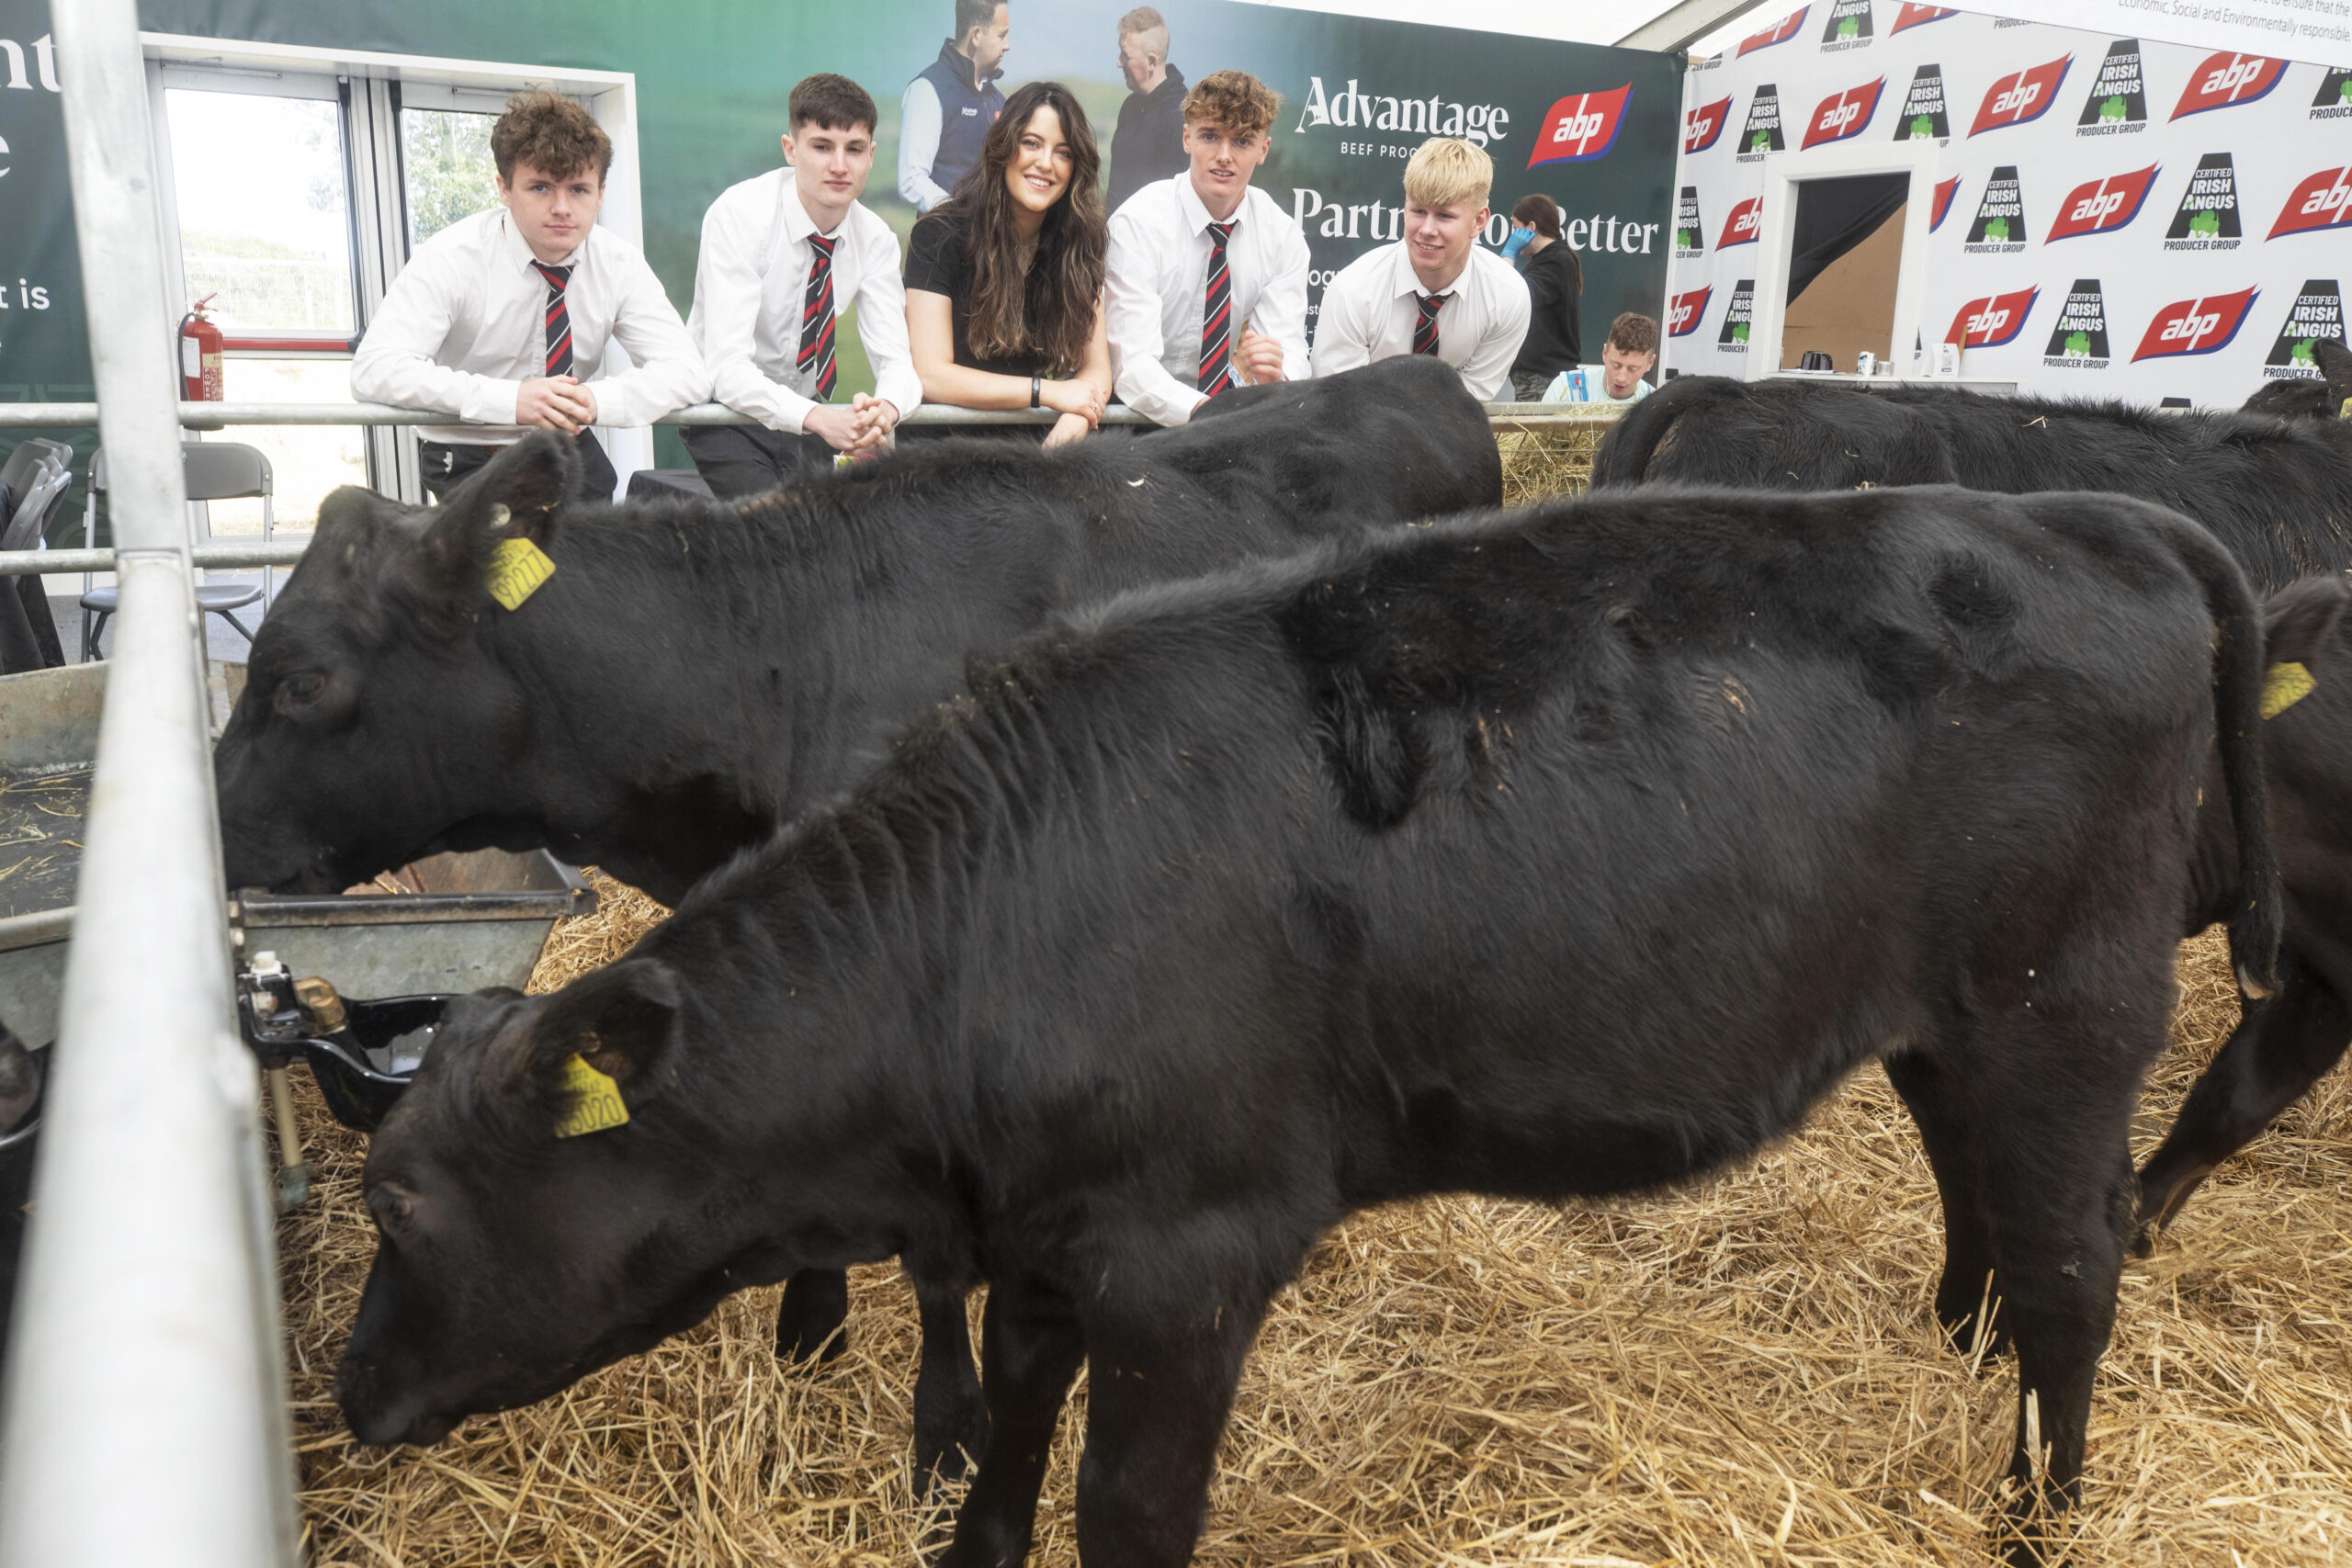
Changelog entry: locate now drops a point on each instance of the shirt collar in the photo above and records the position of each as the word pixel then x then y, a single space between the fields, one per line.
pixel 797 224
pixel 1404 281
pixel 518 250
pixel 1197 212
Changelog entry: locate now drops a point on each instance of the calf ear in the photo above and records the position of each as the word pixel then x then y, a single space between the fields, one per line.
pixel 2335 363
pixel 623 1020
pixel 514 496
pixel 2298 620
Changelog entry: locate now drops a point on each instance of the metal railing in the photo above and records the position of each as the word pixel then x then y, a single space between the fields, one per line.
pixel 145 1419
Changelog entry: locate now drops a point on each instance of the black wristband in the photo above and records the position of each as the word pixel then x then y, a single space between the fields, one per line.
pixel 1036 392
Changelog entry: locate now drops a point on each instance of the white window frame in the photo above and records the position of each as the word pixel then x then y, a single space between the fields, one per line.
pixel 1784 173
pixel 377 206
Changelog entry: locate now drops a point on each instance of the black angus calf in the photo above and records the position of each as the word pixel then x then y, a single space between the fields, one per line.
pixel 695 672
pixel 1572 852
pixel 2278 495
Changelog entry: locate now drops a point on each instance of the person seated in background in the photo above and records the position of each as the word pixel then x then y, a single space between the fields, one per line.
pixel 1555 279
pixel 784 255
pixel 1149 143
pixel 501 319
pixel 1004 282
pixel 1435 291
pixel 1207 274
pixel 1627 358
pixel 949 107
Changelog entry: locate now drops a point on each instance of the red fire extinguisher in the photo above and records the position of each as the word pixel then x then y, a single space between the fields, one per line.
pixel 201 343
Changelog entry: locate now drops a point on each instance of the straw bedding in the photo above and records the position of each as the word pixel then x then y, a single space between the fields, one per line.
pixel 1746 1373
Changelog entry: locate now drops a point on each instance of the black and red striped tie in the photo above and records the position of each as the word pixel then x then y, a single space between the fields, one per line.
pixel 559 318
pixel 1217 317
pixel 1425 330
pixel 817 318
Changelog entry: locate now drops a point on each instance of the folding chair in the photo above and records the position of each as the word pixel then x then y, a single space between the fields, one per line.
pixel 217 470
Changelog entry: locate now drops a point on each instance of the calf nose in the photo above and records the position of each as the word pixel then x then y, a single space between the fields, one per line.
pixel 380 1418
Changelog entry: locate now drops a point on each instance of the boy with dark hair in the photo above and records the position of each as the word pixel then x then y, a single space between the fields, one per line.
pixel 1150 143
pixel 952 102
pixel 501 319
pixel 1207 276
pixel 1625 360
pixel 784 255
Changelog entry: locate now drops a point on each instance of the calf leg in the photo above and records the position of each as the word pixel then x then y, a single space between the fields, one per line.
pixel 951 1419
pixel 1030 1349
pixel 808 1322
pixel 2280 1049
pixel 1969 1286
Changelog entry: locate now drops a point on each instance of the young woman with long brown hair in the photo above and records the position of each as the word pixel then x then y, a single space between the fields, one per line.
pixel 1004 279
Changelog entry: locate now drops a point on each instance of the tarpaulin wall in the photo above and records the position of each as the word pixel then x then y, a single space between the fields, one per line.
pixel 2112 218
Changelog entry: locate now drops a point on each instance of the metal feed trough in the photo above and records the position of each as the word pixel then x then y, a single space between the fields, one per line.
pixel 477 920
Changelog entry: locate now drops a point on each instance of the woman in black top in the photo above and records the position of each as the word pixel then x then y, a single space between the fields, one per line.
pixel 1555 282
pixel 1004 279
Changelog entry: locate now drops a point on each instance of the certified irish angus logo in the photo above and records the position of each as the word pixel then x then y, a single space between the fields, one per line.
pixel 2333 100
pixel 1999 227
pixel 1913 15
pixel 2118 102
pixel 2097 207
pixel 1690 239
pixel 1763 132
pixel 1923 115
pixel 1733 339
pixel 2079 340
pixel 2202 325
pixel 2208 218
pixel 2225 80
pixel 1781 33
pixel 2021 98
pixel 1848 25
pixel 2319 201
pixel 1685 312
pixel 1993 320
pixel 2318 312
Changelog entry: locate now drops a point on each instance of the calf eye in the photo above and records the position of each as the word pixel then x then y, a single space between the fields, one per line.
pixel 392 1205
pixel 300 690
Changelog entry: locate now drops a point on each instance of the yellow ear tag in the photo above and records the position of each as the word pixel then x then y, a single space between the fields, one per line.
pixel 593 1101
pixel 517 566
pixel 2284 686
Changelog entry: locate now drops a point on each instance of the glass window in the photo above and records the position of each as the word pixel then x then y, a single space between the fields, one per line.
pixel 446 170
pixel 264 220
pixel 306 461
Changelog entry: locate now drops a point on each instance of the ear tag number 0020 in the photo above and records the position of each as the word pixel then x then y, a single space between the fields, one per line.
pixel 2283 686
pixel 517 568
pixel 591 1100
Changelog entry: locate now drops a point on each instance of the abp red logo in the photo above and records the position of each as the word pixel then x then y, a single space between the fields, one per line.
pixel 1739 228
pixel 2322 202
pixel 1580 127
pixel 1771 36
pixel 2026 95
pixel 2102 205
pixel 1945 191
pixel 1913 15
pixel 1702 125
pixel 1685 312
pixel 2225 79
pixel 2196 326
pixel 1992 322
pixel 1841 115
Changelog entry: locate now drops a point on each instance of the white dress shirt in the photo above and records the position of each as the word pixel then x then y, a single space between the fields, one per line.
pixel 1371 309
pixel 919 123
pixel 749 288
pixel 464 325
pixel 1158 272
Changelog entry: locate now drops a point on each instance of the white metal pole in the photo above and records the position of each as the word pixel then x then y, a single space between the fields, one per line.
pixel 145 1419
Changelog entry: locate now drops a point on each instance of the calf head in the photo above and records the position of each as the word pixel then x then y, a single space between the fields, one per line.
pixel 2303 399
pixel 376 714
pixel 524 1239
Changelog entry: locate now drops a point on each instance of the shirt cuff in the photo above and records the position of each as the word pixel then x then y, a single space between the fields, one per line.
pixel 489 401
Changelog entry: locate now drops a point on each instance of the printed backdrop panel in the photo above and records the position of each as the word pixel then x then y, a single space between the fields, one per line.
pixel 2112 217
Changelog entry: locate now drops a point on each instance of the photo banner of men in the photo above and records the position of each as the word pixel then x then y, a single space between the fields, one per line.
pixel 1595 129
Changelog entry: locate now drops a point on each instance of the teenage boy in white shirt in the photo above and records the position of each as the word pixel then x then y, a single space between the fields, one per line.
pixel 501 319
pixel 1435 291
pixel 1627 358
pixel 1207 276
pixel 784 254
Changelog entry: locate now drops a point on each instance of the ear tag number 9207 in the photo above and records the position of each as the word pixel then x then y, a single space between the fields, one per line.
pixel 591 1100
pixel 517 568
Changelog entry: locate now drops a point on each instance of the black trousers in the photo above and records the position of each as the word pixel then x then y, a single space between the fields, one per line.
pixel 750 460
pixel 448 464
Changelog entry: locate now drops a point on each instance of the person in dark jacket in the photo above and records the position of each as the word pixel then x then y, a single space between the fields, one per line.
pixel 1149 143
pixel 952 102
pixel 1555 282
